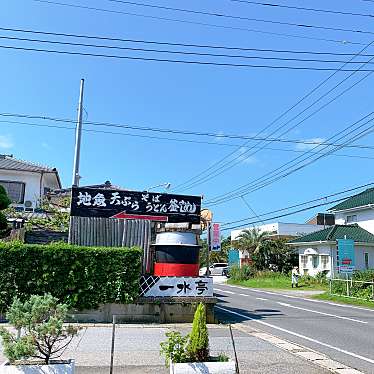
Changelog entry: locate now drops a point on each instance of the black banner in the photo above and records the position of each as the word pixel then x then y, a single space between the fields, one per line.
pixel 94 202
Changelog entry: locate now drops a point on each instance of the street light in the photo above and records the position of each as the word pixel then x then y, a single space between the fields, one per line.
pixel 165 185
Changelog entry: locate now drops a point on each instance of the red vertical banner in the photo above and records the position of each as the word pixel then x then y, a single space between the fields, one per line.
pixel 215 237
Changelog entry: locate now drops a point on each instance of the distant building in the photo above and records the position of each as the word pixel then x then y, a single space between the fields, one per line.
pixel 357 209
pixel 282 230
pixel 318 251
pixel 277 230
pixel 26 183
pixel 322 219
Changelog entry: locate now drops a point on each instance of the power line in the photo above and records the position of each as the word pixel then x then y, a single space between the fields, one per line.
pixel 188 62
pixel 284 215
pixel 304 8
pixel 301 204
pixel 239 158
pixel 210 46
pixel 328 153
pixel 194 22
pixel 245 189
pixel 252 186
pixel 43 41
pixel 180 132
pixel 226 166
pixel 241 18
pixel 169 139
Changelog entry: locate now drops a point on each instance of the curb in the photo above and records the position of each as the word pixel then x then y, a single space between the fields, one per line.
pixel 308 354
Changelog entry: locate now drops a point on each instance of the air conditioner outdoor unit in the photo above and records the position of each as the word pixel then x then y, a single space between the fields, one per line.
pixel 28 204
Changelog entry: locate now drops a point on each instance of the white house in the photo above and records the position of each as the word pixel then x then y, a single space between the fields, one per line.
pixel 25 182
pixel 277 230
pixel 319 251
pixel 357 209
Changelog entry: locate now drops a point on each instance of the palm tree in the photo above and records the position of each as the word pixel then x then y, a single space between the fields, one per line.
pixel 249 241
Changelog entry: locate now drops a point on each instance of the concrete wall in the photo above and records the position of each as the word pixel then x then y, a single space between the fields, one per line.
pixel 148 310
pixel 365 218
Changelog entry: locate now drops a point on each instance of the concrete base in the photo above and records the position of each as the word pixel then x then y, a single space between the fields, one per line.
pixel 148 310
pixel 203 368
pixel 53 368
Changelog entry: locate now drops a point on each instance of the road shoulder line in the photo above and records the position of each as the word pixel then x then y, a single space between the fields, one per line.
pixel 308 354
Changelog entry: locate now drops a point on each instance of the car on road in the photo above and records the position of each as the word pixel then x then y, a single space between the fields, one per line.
pixel 217 268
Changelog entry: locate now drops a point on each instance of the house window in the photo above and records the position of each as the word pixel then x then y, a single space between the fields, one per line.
pixel 324 261
pixel 351 219
pixel 303 261
pixel 315 261
pixel 15 191
pixel 366 259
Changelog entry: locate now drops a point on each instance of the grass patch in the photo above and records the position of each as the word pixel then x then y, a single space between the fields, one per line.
pixel 278 281
pixel 344 300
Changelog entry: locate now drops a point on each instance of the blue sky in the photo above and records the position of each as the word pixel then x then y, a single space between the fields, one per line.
pixel 197 98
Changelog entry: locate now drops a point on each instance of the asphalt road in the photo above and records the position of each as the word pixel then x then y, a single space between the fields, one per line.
pixel 344 333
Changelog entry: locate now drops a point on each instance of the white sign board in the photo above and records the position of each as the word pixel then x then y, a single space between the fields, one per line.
pixel 215 244
pixel 153 286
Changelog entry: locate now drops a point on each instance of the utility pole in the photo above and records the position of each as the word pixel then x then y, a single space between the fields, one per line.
pixel 78 136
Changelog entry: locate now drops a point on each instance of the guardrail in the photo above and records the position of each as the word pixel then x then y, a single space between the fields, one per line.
pixel 355 289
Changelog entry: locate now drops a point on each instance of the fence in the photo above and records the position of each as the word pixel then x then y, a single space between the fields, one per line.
pixel 110 232
pixel 363 290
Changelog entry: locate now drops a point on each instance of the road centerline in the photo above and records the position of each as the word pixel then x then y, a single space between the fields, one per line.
pixel 322 313
pixel 352 354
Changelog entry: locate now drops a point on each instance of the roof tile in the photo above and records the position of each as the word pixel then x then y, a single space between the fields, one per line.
pixel 10 163
pixel 363 198
pixel 355 232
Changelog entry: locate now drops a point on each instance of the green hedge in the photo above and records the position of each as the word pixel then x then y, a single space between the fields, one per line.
pixel 82 277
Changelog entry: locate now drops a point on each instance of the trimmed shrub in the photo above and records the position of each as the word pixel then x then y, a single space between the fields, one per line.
pixel 198 344
pixel 81 277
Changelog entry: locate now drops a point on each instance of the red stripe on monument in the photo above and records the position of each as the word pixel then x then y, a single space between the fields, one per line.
pixel 176 270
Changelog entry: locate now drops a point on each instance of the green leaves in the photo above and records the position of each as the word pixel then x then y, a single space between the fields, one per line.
pixel 174 348
pixel 198 344
pixel 81 277
pixel 40 324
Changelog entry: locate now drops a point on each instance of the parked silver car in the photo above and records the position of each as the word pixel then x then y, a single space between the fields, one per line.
pixel 217 268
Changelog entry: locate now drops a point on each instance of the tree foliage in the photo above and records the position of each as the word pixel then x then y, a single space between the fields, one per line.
pixel 198 344
pixel 221 256
pixel 275 254
pixel 4 204
pixel 41 333
pixel 249 241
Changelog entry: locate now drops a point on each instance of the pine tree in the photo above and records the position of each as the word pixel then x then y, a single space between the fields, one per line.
pixel 198 345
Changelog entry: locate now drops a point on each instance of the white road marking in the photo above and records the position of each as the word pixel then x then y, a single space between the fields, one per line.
pixel 306 299
pixel 317 312
pixel 232 293
pixel 242 294
pixel 261 298
pixel 299 335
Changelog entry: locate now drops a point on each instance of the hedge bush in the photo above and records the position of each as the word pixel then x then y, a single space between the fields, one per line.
pixel 82 277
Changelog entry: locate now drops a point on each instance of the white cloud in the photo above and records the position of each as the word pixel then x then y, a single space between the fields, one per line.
pixel 6 142
pixel 46 145
pixel 220 136
pixel 313 143
pixel 249 160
